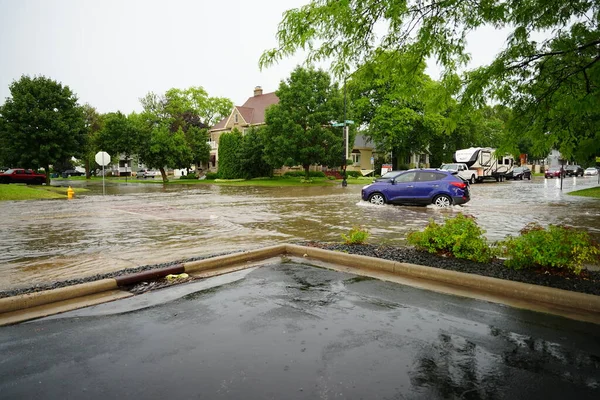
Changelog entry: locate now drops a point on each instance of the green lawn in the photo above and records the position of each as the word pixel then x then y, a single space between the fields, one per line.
pixel 24 192
pixel 591 192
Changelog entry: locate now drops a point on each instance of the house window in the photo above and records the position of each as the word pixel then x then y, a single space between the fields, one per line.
pixel 235 118
pixel 355 158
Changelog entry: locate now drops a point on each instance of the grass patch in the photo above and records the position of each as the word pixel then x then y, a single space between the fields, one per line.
pixel 24 192
pixel 591 192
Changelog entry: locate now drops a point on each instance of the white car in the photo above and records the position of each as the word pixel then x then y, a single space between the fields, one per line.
pixel 592 171
pixel 148 173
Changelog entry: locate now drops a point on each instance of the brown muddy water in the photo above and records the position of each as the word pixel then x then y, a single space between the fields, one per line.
pixel 138 224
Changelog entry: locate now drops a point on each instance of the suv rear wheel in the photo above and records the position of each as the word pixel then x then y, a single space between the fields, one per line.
pixel 442 201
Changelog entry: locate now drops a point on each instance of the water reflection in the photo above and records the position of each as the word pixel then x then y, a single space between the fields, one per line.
pixel 137 224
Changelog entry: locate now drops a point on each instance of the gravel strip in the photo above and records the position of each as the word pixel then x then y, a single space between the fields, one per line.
pixel 588 282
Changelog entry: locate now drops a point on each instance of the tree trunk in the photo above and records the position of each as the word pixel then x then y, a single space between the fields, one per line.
pixel 306 172
pixel 163 174
pixel 47 169
pixel 88 173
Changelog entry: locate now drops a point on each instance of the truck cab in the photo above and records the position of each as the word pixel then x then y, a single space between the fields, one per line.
pixel 461 170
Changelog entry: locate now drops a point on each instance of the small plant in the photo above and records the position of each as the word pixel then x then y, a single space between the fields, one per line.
pixel 357 235
pixel 212 175
pixel 331 177
pixel 460 237
pixel 353 174
pixel 555 247
pixel 188 176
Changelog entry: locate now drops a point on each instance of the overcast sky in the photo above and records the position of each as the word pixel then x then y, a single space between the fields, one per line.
pixel 112 52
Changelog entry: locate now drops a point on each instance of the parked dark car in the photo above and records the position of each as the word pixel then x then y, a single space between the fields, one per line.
pixel 554 172
pixel 418 187
pixel 71 172
pixel 519 173
pixel 574 170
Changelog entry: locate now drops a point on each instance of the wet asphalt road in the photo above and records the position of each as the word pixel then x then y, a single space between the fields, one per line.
pixel 139 224
pixel 296 332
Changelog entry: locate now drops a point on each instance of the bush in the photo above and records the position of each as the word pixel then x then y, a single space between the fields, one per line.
pixel 302 174
pixel 353 174
pixel 356 235
pixel 212 175
pixel 294 174
pixel 460 237
pixel 188 176
pixel 556 247
pixel 331 177
pixel 402 167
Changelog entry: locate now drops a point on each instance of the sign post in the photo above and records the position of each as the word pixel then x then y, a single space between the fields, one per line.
pixel 102 158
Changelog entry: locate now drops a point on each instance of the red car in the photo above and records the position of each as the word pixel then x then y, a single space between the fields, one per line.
pixel 554 172
pixel 20 175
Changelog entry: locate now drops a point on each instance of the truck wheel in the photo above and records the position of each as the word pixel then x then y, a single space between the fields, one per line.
pixel 472 180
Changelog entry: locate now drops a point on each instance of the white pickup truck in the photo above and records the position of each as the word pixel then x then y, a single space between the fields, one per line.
pixel 462 170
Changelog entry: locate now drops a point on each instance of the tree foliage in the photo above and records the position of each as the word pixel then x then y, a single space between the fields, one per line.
pixel 230 145
pixel 119 136
pixel 251 155
pixel 93 125
pixel 42 124
pixel 552 84
pixel 298 130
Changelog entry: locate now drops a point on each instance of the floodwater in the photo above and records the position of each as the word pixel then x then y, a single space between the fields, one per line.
pixel 138 224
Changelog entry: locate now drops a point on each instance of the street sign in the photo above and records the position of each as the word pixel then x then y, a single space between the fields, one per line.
pixel 372 161
pixel 337 124
pixel 349 121
pixel 102 158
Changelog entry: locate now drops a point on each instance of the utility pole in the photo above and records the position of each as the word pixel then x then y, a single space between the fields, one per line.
pixel 344 181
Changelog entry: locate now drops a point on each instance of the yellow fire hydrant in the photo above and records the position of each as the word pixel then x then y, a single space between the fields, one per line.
pixel 70 193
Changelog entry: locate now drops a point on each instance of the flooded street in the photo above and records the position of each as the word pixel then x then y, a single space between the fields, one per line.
pixel 138 224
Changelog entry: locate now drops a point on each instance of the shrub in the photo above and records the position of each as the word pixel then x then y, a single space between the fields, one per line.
pixel 460 237
pixel 212 175
pixel 188 176
pixel 356 235
pixel 294 174
pixel 301 174
pixel 402 167
pixel 556 247
pixel 353 174
pixel 331 177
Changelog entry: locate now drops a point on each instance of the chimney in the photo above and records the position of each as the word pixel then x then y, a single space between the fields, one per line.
pixel 257 91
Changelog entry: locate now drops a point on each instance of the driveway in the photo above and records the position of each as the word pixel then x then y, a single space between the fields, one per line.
pixel 288 331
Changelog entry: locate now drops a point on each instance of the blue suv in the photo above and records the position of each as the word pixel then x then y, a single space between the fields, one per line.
pixel 418 187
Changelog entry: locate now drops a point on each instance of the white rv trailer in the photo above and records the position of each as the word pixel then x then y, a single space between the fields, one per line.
pixel 484 161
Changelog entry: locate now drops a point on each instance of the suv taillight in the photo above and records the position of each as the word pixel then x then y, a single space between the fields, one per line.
pixel 461 185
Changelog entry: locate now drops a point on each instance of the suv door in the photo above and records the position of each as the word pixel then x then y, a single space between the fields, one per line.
pixel 427 185
pixel 402 188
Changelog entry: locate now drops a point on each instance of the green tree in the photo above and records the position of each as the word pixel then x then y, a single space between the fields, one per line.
pixel 230 146
pixel 163 148
pixel 298 130
pixel 93 125
pixel 119 136
pixel 41 124
pixel 399 109
pixel 552 85
pixel 250 156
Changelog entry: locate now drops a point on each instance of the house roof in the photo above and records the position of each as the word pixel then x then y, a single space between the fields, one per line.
pixel 221 124
pixel 252 111
pixel 259 104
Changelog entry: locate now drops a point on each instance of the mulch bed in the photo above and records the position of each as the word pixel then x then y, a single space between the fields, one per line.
pixel 586 282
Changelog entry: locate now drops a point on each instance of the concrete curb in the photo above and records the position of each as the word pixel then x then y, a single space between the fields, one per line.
pixel 515 290
pixel 518 290
pixel 230 259
pixel 30 300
